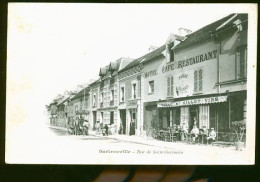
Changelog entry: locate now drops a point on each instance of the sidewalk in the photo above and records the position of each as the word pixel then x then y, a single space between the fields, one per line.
pixel 57 127
pixel 151 141
pixel 126 138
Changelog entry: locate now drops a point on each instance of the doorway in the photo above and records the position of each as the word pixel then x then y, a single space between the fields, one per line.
pixel 194 115
pixel 133 127
pixel 123 121
pixel 94 118
pixel 112 117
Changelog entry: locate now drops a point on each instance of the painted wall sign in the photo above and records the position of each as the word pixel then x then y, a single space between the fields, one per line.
pixel 208 100
pixel 168 67
pixel 150 73
pixel 197 59
pixel 184 84
pixel 131 103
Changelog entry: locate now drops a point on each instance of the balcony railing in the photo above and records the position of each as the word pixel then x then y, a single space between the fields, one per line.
pixel 111 102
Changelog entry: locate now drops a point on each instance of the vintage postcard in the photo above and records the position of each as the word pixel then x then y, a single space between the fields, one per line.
pixel 161 84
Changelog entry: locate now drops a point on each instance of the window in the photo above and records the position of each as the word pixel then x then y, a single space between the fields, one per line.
pixel 101 97
pixel 241 56
pixel 112 95
pixel 151 86
pixel 122 94
pixel 94 100
pixel 134 90
pixel 170 86
pixel 198 80
pixel 76 108
pixel 169 52
pixel 101 117
pixel 112 80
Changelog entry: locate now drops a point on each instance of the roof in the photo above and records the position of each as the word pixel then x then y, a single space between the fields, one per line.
pixel 63 100
pixel 145 58
pixel 206 31
pixel 103 71
pixel 94 82
pixel 81 93
pixel 114 65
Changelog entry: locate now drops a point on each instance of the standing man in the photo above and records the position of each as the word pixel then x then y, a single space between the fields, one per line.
pixel 77 126
pixel 132 128
pixel 85 127
pixel 184 131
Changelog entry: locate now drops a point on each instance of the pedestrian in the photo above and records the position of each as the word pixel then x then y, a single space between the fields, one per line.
pixel 85 127
pixel 184 131
pixel 97 126
pixel 132 128
pixel 77 126
pixel 106 129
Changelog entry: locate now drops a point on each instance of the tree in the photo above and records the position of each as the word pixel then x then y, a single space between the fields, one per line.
pixel 239 127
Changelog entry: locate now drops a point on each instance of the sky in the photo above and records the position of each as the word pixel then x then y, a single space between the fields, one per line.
pixel 55 47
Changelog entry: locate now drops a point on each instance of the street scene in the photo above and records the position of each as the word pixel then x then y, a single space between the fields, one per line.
pixel 183 91
pixel 131 84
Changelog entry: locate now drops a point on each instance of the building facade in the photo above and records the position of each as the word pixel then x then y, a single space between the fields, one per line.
pixel 130 108
pixel 104 94
pixel 208 77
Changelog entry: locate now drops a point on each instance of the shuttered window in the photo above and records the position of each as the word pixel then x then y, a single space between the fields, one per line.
pixel 198 80
pixel 242 62
pixel 195 81
pixel 170 86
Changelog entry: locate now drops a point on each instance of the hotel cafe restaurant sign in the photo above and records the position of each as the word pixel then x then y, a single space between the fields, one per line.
pixel 184 80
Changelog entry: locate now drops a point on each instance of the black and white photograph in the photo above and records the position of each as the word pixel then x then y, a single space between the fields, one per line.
pixel 160 84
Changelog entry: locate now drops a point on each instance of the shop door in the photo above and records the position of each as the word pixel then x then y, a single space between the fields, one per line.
pixel 112 117
pixel 123 121
pixel 94 118
pixel 133 119
pixel 194 114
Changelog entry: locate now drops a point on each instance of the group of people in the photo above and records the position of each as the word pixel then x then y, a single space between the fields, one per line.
pixel 100 128
pixel 198 134
pixel 203 134
pixel 78 126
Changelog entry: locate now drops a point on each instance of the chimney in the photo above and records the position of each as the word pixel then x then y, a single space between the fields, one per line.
pixel 152 48
pixel 183 32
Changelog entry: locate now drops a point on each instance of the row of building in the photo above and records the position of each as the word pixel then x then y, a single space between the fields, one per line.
pixel 198 75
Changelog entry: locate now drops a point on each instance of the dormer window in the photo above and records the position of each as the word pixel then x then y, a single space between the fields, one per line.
pixel 169 52
pixel 238 24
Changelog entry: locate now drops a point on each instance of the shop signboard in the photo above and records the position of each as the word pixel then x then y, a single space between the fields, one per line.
pixel 198 101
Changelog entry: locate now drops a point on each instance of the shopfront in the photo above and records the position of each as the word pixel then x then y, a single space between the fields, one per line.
pixel 216 112
pixel 202 111
pixel 132 119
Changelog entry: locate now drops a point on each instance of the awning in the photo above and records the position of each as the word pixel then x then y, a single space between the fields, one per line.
pixel 199 101
pixel 153 103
